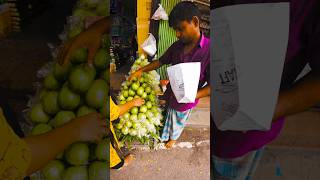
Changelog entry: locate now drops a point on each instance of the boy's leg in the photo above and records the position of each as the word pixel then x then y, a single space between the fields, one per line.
pixel 241 168
pixel 167 129
pixel 255 163
pixel 178 122
pixel 179 119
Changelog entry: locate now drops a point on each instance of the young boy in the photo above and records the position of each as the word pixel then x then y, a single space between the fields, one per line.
pixel 236 154
pixel 115 111
pixel 191 46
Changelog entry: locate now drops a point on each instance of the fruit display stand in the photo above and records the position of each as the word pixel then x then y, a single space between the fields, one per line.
pixel 141 125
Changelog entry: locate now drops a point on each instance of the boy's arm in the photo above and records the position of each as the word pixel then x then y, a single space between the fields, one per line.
pixel 203 92
pixel 127 106
pixel 45 147
pixel 102 26
pixel 90 39
pixel 306 92
pixel 152 66
pixel 166 58
pixel 304 95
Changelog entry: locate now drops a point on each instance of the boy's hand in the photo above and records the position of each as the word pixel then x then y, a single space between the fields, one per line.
pixel 138 102
pixel 91 127
pixel 90 39
pixel 136 74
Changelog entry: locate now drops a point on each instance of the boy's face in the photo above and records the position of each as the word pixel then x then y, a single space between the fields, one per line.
pixel 186 31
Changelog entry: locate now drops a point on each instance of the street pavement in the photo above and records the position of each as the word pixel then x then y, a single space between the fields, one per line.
pixel 188 160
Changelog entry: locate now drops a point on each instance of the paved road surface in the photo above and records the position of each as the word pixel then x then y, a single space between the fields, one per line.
pixel 179 163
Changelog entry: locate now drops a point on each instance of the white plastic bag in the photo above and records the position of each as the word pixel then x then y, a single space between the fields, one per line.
pixel 160 14
pixel 248 54
pixel 150 45
pixel 184 81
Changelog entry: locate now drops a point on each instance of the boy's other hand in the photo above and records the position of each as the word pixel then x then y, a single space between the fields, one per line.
pixel 90 39
pixel 138 102
pixel 91 127
pixel 136 74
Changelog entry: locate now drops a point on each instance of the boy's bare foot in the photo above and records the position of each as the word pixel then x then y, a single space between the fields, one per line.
pixel 170 144
pixel 128 159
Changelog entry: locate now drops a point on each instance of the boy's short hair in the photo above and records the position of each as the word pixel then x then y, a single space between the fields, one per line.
pixel 183 11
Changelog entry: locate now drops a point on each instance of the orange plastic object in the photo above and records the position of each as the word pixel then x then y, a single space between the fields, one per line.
pixel 164 82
